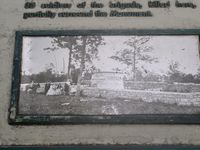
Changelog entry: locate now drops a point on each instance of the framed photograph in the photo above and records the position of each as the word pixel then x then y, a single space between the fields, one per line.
pixel 111 77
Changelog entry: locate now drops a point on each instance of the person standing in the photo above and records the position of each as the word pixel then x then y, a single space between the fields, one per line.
pixel 74 75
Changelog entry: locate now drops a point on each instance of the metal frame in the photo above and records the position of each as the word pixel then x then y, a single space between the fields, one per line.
pixel 104 147
pixel 16 118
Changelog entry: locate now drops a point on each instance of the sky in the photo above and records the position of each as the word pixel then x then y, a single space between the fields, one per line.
pixel 35 59
pixel 181 49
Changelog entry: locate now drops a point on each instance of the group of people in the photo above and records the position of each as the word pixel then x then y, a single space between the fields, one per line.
pixel 49 88
pixel 59 88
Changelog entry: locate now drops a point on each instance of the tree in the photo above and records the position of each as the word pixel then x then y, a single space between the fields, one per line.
pixel 173 67
pixel 138 51
pixel 87 50
pixel 83 49
pixel 174 73
pixel 197 76
pixel 68 42
pixel 189 78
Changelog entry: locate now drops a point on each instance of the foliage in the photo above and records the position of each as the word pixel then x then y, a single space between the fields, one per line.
pixel 177 76
pixel 150 76
pixel 139 46
pixel 45 76
pixel 138 51
pixel 83 49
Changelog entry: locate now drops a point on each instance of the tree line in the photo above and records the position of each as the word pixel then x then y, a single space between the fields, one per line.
pixel 84 49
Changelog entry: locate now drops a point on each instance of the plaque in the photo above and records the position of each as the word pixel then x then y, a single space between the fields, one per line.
pixel 100 76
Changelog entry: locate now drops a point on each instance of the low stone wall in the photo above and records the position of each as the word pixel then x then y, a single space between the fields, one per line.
pixel 157 86
pixel 148 96
pixel 162 86
pixel 144 85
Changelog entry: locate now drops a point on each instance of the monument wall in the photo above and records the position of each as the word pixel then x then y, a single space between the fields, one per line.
pixel 146 96
pixel 162 86
pixel 12 19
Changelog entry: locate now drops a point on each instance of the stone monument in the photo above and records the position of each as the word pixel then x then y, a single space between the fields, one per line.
pixel 108 80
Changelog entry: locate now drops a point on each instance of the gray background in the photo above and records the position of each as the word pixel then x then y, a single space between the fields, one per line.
pixel 11 13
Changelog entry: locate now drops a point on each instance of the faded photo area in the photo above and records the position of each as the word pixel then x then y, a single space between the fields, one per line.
pixel 110 75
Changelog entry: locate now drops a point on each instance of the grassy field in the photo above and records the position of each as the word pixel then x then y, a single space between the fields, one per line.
pixel 42 104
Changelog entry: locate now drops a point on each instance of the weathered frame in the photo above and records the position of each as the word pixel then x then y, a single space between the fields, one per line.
pixel 104 147
pixel 15 118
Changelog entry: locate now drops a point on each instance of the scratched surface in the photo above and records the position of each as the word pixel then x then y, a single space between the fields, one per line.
pixel 11 19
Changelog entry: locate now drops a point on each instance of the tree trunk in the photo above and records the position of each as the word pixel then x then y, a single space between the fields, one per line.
pixel 134 65
pixel 83 52
pixel 82 65
pixel 70 59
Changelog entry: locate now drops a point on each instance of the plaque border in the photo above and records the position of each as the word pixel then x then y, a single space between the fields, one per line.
pixel 102 147
pixel 14 118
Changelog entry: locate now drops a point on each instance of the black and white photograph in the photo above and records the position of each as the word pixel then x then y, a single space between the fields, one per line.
pixel 110 75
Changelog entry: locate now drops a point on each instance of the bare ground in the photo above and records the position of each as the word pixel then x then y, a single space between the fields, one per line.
pixel 42 104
